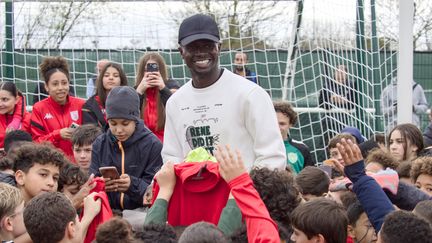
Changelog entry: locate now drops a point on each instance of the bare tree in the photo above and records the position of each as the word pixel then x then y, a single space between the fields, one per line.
pixel 53 22
pixel 239 21
pixel 387 21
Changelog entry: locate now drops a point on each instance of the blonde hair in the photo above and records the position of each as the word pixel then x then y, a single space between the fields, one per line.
pixel 10 199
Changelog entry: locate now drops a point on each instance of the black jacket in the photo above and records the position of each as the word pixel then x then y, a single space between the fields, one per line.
pixel 333 88
pixel 427 135
pixel 142 153
pixel 92 114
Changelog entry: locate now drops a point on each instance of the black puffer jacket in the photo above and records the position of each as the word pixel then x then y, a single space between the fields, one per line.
pixel 142 159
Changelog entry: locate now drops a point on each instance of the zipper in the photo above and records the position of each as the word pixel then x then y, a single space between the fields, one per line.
pixel 122 171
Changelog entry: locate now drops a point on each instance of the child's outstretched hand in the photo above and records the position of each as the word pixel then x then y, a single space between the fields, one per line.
pixel 230 166
pixel 350 152
pixel 166 179
pixel 91 206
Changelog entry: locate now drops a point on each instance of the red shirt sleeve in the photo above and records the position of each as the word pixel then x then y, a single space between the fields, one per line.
pixel 260 227
pixel 39 132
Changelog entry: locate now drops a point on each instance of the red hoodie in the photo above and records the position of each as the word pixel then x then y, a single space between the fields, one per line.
pixel 105 213
pixel 194 199
pixel 260 227
pixel 20 113
pixel 49 117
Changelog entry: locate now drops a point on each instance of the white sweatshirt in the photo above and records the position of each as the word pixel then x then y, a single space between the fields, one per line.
pixel 231 111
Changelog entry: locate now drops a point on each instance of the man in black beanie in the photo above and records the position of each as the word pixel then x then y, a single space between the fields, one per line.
pixel 130 147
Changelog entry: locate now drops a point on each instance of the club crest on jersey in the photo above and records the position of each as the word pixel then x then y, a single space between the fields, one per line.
pixel 74 115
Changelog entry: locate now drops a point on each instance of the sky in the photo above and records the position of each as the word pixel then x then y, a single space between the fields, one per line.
pixel 152 24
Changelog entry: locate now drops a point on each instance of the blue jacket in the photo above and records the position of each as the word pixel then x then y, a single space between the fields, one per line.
pixel 372 198
pixel 142 153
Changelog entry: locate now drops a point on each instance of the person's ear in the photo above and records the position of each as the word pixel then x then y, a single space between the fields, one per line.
pixel 181 50
pixel 20 177
pixel 351 232
pixel 46 87
pixel 6 224
pixel 71 230
pixel 319 239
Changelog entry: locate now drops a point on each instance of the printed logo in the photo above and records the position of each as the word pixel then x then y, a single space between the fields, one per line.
pixel 48 116
pixel 74 115
pixel 201 137
pixel 292 157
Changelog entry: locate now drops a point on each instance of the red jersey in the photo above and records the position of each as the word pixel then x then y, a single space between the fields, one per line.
pixel 49 117
pixel 197 196
pixel 19 113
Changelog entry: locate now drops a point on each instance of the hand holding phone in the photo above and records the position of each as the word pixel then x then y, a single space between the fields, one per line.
pixel 74 125
pixel 109 172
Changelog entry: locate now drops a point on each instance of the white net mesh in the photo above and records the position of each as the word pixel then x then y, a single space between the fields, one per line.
pixel 296 48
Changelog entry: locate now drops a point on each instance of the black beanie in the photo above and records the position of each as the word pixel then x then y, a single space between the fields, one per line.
pixel 122 103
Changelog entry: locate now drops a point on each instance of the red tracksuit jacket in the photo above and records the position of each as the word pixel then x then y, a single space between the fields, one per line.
pixel 19 112
pixel 48 117
pixel 196 199
pixel 260 227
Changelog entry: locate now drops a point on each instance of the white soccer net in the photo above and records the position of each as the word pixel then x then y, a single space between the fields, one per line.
pixel 295 48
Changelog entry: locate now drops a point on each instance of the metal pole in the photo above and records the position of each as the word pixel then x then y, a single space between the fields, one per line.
pixel 405 62
pixel 361 60
pixel 8 67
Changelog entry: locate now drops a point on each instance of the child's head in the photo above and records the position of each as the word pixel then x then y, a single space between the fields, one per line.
pixel 6 165
pixel 278 192
pixel 404 170
pixel 50 217
pixel 321 219
pixel 379 159
pixel 421 174
pixel 424 209
pixel 157 233
pixel 11 212
pixel 115 230
pixel 355 132
pixel 122 108
pixel 37 168
pixel 359 226
pixel 110 76
pixel 202 232
pixel 55 73
pixel 82 140
pixel 286 117
pixel 71 179
pixel 15 138
pixel 402 227
pixel 8 97
pixel 405 142
pixel 332 148
pixel 312 182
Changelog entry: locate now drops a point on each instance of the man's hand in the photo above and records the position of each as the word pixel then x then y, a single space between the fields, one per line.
pixel 110 185
pixel 350 152
pixel 166 179
pixel 230 166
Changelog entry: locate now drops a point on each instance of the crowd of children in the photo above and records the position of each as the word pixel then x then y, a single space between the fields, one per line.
pixel 72 168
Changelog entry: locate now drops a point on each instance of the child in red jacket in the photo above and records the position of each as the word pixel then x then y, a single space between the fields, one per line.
pixel 13 114
pixel 55 118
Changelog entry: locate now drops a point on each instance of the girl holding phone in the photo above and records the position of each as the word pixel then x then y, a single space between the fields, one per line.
pixel 150 84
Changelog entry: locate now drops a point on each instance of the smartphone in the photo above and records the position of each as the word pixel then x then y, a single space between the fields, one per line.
pixel 327 169
pixel 74 125
pixel 152 67
pixel 109 172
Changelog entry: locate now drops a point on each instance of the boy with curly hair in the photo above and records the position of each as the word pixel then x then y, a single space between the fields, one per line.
pixel 298 153
pixel 37 169
pixel 421 174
